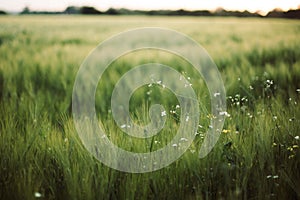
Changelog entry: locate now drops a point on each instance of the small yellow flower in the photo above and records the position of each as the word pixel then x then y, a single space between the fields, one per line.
pixel 226 131
pixel 211 116
pixel 290 148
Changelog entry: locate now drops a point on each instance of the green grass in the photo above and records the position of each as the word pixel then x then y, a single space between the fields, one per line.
pixel 256 157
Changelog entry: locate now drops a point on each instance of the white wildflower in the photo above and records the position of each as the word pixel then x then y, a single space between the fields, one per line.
pixel 123 126
pixel 224 113
pixel 183 139
pixel 270 82
pixel 187 85
pixel 216 94
pixel 37 195
pixel 187 118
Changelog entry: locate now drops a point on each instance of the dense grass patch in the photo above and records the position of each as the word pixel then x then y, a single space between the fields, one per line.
pixel 257 156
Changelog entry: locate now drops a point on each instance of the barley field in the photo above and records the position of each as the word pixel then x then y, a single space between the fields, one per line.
pixel 256 157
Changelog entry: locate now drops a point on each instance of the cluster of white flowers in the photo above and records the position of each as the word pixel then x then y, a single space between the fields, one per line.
pixel 224 113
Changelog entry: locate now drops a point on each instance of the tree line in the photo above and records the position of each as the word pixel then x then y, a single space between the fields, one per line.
pixel 87 10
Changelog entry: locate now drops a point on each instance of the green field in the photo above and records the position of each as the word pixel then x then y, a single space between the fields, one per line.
pixel 256 157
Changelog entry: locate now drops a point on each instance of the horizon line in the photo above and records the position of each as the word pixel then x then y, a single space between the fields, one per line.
pixel 163 9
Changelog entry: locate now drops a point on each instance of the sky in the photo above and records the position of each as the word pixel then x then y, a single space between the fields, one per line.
pixel 58 5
